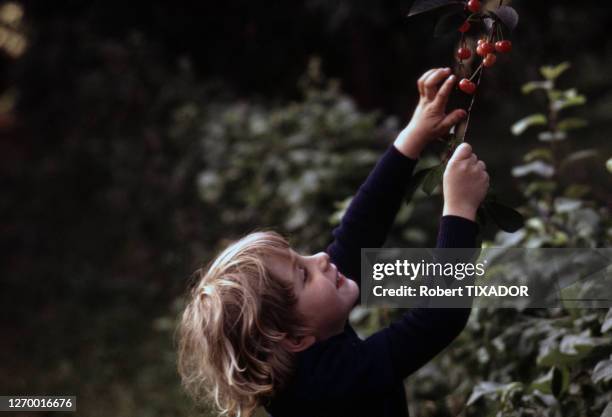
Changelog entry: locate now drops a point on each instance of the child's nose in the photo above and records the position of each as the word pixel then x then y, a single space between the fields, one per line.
pixel 324 260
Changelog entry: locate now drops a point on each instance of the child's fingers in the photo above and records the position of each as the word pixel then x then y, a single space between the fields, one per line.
pixel 421 81
pixel 445 91
pixel 432 81
pixel 463 151
pixel 452 118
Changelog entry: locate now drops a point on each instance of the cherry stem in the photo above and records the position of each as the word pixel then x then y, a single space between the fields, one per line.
pixel 479 70
pixel 469 110
pixel 476 71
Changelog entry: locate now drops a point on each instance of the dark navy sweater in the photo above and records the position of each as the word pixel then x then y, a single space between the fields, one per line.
pixel 344 375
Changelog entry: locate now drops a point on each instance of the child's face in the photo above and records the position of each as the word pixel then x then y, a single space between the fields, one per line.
pixel 325 296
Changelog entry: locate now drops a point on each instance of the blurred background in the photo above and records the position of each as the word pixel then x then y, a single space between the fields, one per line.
pixel 138 138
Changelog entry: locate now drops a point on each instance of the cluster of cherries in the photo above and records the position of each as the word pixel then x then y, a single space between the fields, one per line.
pixel 485 49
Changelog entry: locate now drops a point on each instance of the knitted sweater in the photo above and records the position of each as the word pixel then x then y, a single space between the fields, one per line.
pixel 345 375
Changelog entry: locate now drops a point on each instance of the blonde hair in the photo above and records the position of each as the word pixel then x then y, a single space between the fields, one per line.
pixel 229 348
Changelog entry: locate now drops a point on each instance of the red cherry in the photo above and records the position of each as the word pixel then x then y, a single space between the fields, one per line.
pixel 464 53
pixel 481 40
pixel 488 47
pixel 503 46
pixel 467 86
pixel 489 60
pixel 464 27
pixel 485 48
pixel 473 6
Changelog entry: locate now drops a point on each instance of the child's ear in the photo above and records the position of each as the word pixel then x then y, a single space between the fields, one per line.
pixel 297 344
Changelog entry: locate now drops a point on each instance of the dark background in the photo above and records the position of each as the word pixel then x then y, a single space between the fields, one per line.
pixel 101 220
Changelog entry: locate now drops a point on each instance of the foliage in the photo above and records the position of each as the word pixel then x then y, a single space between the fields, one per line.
pixel 535 362
pixel 564 207
pixel 489 24
pixel 286 166
pixel 101 155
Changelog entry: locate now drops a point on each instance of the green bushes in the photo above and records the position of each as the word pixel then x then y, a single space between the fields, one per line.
pixel 285 166
pixel 537 362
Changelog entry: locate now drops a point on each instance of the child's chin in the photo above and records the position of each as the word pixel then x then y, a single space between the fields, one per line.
pixel 354 291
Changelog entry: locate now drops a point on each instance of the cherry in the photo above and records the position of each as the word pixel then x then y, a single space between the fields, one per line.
pixel 503 46
pixel 485 48
pixel 489 60
pixel 467 86
pixel 473 6
pixel 464 53
pixel 464 27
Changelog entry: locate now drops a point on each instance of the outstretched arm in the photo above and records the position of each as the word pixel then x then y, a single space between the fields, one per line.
pixel 422 333
pixel 379 363
pixel 372 211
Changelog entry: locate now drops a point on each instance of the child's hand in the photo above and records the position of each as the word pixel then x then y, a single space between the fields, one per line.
pixel 429 120
pixel 465 183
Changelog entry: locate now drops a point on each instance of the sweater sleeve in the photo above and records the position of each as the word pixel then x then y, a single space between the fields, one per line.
pixel 371 213
pixel 422 333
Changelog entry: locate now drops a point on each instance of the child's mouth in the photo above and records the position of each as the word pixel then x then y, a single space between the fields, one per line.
pixel 339 280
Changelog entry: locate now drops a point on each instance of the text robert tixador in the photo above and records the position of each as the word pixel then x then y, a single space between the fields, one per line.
pixel 423 269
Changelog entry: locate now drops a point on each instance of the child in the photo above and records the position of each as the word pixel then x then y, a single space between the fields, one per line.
pixel 268 326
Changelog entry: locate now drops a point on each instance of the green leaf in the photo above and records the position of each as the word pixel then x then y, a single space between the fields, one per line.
pixel 542 384
pixel 536 167
pixel 572 123
pixel 609 165
pixel 572 348
pixel 552 73
pixel 538 153
pixel 602 371
pixel 483 389
pixel 536 85
pixel 552 136
pixel 554 357
pixel 533 120
pixel 567 205
pixel 422 6
pixel 567 99
pixel 607 324
pixel 508 391
pixel 432 179
pixel 540 187
pixel 577 191
pixel 570 102
pixel 507 16
pixel 554 382
pixel 416 181
pixel 506 218
pixel 581 156
pixel 580 344
pixel 557 382
pixel 341 207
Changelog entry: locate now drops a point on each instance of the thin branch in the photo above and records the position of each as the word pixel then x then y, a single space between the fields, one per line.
pixel 469 111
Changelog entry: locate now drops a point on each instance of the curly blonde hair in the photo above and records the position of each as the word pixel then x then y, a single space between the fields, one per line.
pixel 229 349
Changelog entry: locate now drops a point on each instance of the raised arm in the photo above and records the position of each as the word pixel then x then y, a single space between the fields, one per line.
pixel 372 211
pixel 422 333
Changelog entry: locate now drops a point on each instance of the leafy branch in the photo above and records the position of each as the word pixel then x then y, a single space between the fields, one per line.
pixel 468 19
